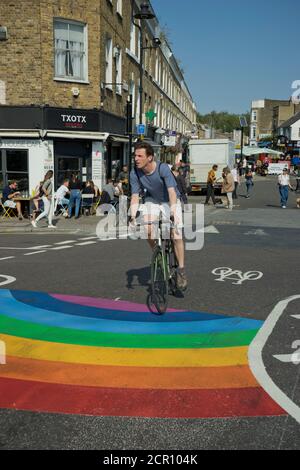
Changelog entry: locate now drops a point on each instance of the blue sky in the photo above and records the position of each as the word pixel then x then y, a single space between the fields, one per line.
pixel 234 51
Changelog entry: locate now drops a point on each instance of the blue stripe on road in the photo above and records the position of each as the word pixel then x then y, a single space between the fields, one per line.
pixel 46 302
pixel 14 309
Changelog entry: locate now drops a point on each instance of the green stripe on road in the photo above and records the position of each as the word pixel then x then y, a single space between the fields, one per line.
pixel 19 328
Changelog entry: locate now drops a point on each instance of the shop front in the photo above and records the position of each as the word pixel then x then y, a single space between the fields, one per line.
pixel 34 139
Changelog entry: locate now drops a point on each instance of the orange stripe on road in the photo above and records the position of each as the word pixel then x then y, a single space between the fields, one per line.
pixel 128 377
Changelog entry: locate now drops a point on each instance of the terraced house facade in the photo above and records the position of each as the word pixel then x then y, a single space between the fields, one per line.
pixel 67 71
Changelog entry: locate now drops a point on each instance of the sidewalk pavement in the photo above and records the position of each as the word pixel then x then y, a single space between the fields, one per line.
pixel 84 225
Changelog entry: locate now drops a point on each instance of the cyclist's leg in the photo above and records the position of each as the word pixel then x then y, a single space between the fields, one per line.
pixel 176 234
pixel 151 213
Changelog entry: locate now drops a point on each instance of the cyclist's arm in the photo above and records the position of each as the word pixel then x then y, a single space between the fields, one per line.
pixel 172 200
pixel 134 205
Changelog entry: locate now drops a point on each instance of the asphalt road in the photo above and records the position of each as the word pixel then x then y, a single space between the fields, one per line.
pixel 118 270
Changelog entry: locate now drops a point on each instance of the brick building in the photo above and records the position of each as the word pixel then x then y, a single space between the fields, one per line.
pixel 66 71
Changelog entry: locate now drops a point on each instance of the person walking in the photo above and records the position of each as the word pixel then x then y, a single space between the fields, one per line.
pixel 284 186
pixel 236 178
pixel 211 180
pixel 47 192
pixel 249 181
pixel 228 187
pixel 75 187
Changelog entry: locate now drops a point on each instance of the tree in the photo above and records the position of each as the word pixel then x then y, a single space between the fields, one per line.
pixel 223 121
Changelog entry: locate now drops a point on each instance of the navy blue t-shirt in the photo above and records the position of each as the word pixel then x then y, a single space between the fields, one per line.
pixel 155 185
pixel 7 191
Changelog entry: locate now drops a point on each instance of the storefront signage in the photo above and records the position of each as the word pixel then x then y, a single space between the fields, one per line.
pixel 277 168
pixel 72 119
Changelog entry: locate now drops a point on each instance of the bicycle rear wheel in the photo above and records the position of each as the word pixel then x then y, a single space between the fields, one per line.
pixel 159 281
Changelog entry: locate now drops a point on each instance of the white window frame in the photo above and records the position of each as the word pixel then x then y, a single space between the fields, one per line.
pixel 120 7
pixel 108 62
pixel 68 78
pixel 119 72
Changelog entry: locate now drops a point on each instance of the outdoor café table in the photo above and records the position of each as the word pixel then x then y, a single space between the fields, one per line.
pixel 25 200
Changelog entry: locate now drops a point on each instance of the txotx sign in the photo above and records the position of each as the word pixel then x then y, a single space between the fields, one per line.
pixel 72 119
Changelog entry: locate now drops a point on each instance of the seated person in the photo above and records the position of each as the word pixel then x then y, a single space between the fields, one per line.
pixel 109 189
pixel 9 192
pixel 61 194
pixel 87 203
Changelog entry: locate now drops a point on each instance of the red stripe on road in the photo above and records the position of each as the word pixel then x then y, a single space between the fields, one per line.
pixel 53 398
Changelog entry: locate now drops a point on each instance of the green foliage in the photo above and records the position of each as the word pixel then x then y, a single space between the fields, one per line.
pixel 223 121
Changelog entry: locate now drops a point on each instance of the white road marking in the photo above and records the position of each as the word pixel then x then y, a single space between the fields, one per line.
pixel 85 243
pixel 296 316
pixel 88 238
pixel 257 364
pixel 258 232
pixel 38 247
pixel 35 253
pixel 66 242
pixel 209 229
pixel 61 248
pixel 8 280
pixel 8 257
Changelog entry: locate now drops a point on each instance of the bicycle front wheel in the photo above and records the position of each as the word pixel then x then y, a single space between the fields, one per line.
pixel 159 281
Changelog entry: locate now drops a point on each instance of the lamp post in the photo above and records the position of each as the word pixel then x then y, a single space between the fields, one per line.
pixel 142 15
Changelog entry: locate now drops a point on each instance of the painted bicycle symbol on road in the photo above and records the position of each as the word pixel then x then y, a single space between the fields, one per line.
pixel 239 277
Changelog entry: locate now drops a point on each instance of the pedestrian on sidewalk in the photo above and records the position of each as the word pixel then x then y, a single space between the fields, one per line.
pixel 249 181
pixel 284 186
pixel 47 192
pixel 228 187
pixel 75 187
pixel 211 180
pixel 236 178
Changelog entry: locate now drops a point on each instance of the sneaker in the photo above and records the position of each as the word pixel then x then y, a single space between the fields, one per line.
pixel 283 207
pixel 51 226
pixel 181 280
pixel 34 224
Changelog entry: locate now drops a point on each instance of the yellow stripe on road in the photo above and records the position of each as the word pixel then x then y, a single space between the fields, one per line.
pixel 46 351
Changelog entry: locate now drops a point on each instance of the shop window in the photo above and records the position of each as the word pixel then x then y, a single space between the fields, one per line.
pixel 14 167
pixel 70 43
pixel 17 168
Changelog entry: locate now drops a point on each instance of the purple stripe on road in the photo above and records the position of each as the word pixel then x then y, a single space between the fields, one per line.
pixel 106 303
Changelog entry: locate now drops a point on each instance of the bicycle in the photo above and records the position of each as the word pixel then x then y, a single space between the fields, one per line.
pixel 163 268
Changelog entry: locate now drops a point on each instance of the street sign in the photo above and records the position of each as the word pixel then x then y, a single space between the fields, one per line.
pixel 141 129
pixel 151 114
pixel 243 121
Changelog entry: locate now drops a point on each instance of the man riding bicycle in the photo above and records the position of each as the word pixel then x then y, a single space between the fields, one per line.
pixel 156 181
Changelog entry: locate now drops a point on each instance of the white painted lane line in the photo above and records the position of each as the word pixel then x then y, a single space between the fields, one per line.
pixel 35 253
pixel 61 247
pixel 257 364
pixel 66 242
pixel 209 229
pixel 8 257
pixel 38 247
pixel 85 243
pixel 88 238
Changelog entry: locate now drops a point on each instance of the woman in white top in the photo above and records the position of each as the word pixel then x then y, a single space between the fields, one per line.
pixel 284 185
pixel 47 190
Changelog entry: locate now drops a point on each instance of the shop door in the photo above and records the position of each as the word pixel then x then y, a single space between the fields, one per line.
pixel 66 167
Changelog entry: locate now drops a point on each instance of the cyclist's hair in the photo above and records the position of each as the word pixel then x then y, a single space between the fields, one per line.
pixel 147 147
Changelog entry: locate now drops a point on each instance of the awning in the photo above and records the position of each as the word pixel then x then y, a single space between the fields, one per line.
pixel 20 133
pixel 122 139
pixel 77 135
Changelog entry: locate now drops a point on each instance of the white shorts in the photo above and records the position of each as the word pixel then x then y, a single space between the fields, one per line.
pixel 151 211
pixel 10 204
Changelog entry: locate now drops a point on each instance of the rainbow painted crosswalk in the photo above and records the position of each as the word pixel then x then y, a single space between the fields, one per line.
pixel 80 355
